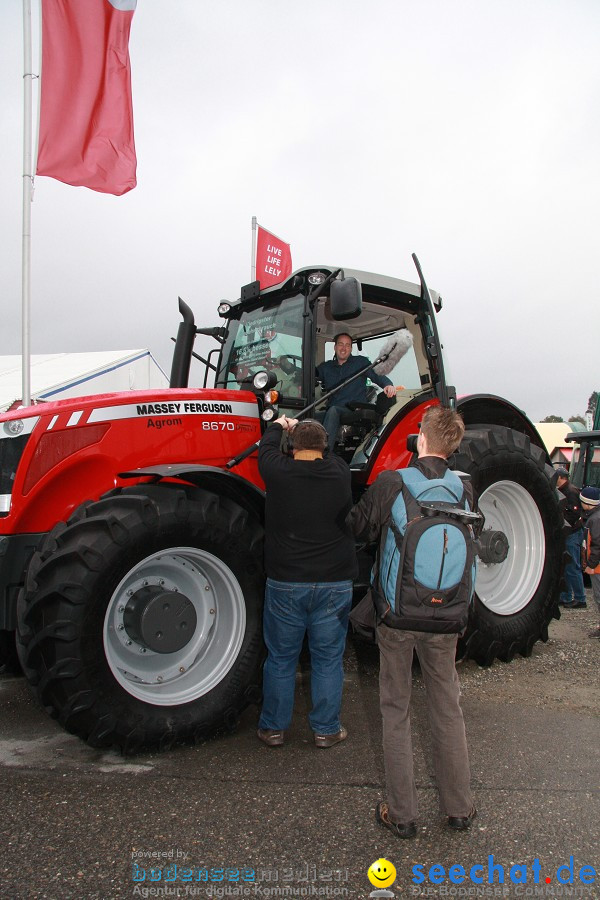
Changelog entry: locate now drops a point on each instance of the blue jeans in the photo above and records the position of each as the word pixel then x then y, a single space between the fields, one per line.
pixel 575 591
pixel 331 424
pixel 293 609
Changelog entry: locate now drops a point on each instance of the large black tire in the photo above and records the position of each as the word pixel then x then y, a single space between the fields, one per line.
pixel 514 599
pixel 102 680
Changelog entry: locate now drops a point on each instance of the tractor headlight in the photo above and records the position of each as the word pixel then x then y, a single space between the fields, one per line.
pixel 14 427
pixel 264 381
pixel 268 414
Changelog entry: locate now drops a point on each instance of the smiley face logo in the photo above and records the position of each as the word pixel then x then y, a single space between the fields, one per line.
pixel 381 873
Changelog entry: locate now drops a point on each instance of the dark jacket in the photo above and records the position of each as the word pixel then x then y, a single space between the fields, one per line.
pixel 370 517
pixel 592 538
pixel 571 507
pixel 306 538
pixel 331 374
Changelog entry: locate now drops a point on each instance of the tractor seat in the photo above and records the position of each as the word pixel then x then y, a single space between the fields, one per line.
pixel 373 413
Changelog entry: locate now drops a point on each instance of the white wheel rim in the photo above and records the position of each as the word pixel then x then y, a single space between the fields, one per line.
pixel 171 679
pixel 507 587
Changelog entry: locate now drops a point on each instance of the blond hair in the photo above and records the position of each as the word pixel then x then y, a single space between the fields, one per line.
pixel 443 430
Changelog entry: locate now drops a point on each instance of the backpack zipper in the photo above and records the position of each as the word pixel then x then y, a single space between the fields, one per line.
pixel 444 552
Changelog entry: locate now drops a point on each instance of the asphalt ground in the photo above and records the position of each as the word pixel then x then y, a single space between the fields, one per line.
pixel 241 819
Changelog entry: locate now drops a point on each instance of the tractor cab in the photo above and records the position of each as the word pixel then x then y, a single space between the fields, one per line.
pixel 289 330
pixel 585 461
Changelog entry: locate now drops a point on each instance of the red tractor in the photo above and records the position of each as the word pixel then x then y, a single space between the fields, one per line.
pixel 131 562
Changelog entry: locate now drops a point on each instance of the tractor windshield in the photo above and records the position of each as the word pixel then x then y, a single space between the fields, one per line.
pixel 268 337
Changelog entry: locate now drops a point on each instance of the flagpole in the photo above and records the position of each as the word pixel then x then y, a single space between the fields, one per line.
pixel 27 199
pixel 253 260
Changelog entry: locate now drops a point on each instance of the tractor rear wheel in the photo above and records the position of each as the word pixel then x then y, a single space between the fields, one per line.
pixel 516 592
pixel 140 621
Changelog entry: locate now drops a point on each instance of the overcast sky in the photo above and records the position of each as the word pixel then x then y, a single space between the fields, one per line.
pixel 466 131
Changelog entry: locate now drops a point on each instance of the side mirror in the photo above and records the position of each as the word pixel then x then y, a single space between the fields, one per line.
pixel 345 298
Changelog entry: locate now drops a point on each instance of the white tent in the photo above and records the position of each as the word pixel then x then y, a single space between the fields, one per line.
pixel 56 376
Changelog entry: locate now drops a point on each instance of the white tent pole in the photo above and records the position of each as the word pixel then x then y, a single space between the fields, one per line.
pixel 253 261
pixel 27 199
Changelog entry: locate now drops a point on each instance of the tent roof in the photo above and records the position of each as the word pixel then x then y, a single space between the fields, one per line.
pixel 52 373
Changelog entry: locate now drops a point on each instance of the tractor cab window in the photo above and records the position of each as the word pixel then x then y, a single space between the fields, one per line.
pixel 265 338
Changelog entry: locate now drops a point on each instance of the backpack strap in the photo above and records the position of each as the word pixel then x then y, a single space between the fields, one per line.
pixel 416 482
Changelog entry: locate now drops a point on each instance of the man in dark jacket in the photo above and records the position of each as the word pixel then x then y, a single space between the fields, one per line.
pixel 573 597
pixel 590 504
pixel 441 433
pixel 310 561
pixel 336 370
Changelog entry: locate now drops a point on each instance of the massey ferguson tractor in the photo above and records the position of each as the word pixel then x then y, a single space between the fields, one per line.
pixel 131 539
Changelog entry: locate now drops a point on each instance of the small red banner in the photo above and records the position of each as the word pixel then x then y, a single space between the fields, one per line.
pixel 273 259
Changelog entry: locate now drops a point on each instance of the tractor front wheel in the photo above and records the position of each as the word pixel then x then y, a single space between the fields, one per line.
pixel 140 621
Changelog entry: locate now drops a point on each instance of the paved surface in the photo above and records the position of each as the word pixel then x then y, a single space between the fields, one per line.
pixel 74 819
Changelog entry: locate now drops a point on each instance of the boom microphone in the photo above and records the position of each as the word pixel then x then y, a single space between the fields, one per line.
pixel 397 345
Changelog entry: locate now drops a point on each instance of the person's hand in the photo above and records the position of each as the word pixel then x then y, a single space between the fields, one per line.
pixel 588 571
pixel 286 423
pixel 389 390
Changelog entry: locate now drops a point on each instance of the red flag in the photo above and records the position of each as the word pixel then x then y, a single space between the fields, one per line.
pixel 86 114
pixel 273 259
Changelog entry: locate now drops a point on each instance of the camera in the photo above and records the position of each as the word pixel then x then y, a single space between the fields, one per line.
pixel 411 443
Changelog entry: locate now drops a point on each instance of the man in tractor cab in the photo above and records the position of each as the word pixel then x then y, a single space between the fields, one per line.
pixel 334 371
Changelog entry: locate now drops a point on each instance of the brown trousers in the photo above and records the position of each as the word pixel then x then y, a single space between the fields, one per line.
pixel 436 653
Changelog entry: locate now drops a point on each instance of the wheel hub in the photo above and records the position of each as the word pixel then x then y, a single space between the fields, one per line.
pixel 493 547
pixel 159 620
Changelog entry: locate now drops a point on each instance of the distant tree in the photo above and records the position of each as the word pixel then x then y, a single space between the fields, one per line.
pixel 553 419
pixel 576 419
pixel 593 402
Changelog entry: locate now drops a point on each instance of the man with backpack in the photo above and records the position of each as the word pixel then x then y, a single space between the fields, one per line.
pixel 422 586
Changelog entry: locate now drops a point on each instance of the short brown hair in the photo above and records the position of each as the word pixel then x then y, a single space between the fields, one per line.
pixel 443 430
pixel 309 434
pixel 341 334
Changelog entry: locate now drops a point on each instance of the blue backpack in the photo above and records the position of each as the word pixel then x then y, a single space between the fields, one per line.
pixel 426 568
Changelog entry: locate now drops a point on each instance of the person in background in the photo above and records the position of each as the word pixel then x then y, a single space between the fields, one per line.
pixel 310 559
pixel 573 597
pixel 590 504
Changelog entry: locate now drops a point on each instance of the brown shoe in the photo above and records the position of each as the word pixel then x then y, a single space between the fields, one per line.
pixel 270 737
pixel 328 740
pixel 401 829
pixel 461 823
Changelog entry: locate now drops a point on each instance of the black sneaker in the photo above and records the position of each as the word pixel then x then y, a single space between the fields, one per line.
pixel 403 830
pixel 461 823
